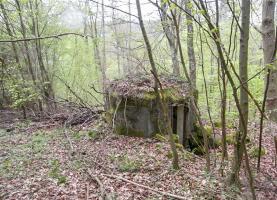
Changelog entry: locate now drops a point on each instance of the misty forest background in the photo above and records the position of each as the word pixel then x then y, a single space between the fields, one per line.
pixel 73 58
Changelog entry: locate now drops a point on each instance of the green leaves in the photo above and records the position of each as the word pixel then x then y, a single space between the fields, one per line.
pixel 203 12
pixel 271 66
pixel 21 95
pixel 189 5
pixel 55 172
pixel 23 1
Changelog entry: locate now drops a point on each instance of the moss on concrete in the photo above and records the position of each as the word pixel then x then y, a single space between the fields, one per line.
pixel 122 130
pixel 168 94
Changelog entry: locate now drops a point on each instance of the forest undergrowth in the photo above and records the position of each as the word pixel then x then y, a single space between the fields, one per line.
pixel 44 159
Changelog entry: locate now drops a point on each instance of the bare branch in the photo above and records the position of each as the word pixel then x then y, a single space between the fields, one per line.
pixel 114 8
pixel 44 37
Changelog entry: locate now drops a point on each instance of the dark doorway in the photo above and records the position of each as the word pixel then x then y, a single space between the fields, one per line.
pixel 174 119
pixel 186 128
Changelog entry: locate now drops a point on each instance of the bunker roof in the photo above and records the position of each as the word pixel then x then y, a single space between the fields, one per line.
pixel 141 86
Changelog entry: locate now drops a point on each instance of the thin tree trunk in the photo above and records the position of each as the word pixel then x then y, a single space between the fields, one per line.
pixel 117 40
pixel 268 30
pixel 7 24
pixel 193 103
pixel 47 88
pixel 224 94
pixel 269 50
pixel 170 33
pixel 216 38
pixel 129 39
pixel 103 63
pixel 243 62
pixel 159 95
pixel 243 73
pixel 27 51
pixel 190 43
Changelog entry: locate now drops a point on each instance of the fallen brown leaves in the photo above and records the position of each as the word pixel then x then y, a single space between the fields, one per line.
pixel 119 167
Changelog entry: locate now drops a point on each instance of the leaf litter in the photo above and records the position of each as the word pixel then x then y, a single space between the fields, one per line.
pixel 106 164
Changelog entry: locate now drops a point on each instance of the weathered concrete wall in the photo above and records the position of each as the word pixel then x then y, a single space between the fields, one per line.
pixel 134 121
pixel 180 123
pixel 143 119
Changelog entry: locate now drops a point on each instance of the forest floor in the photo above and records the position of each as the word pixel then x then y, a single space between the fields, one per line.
pixel 44 160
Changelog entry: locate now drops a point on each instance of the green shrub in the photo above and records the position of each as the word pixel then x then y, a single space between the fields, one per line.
pixel 38 143
pixel 179 146
pixel 209 130
pixel 125 164
pixel 199 150
pixel 92 134
pixel 231 138
pixel 160 137
pixel 176 138
pixel 55 172
pixel 254 152
pixel 218 124
pixel 169 154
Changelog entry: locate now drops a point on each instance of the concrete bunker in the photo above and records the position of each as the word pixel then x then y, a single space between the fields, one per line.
pixel 134 110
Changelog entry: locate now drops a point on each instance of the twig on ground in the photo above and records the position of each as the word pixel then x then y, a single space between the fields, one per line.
pixel 101 186
pixel 68 139
pixel 145 187
pixel 87 191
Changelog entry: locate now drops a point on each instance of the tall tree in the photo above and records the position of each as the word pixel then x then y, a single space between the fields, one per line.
pixel 190 43
pixel 269 50
pixel 46 83
pixel 104 60
pixel 10 33
pixel 223 90
pixel 170 33
pixel 243 58
pixel 26 46
pixel 117 39
pixel 268 30
pixel 244 102
pixel 159 94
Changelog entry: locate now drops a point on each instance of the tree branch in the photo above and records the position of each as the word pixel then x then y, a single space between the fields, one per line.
pixel 44 37
pixel 114 8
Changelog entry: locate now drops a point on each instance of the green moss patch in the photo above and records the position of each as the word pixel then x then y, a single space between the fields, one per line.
pixel 126 164
pixel 254 152
pixel 122 130
pixel 169 94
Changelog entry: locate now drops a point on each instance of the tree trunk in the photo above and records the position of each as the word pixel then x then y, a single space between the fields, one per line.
pixel 223 91
pixel 46 84
pixel 243 59
pixel 103 62
pixel 27 51
pixel 193 103
pixel 117 40
pixel 240 146
pixel 7 24
pixel 159 94
pixel 269 49
pixel 268 30
pixel 169 31
pixel 190 33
